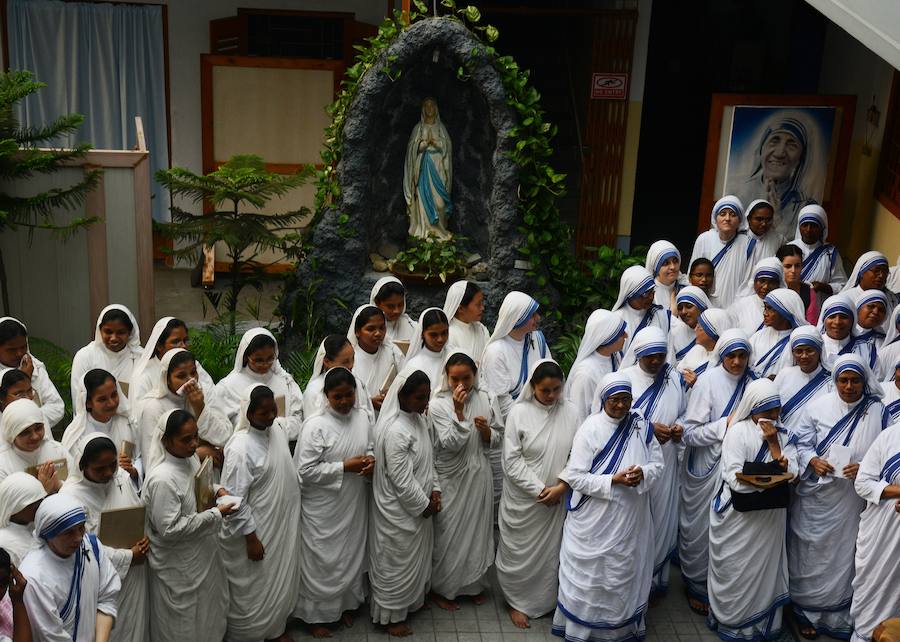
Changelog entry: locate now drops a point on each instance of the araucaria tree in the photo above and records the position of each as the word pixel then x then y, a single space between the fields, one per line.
pixel 225 193
pixel 26 151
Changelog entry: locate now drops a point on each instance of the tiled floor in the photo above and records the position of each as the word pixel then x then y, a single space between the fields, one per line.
pixel 670 621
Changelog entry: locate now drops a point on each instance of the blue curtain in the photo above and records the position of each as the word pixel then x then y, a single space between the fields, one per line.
pixel 104 61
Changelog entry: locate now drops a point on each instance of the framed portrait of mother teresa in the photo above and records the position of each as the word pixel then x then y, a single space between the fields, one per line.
pixel 788 150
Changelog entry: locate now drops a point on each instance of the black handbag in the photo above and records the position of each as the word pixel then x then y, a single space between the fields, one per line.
pixel 777 496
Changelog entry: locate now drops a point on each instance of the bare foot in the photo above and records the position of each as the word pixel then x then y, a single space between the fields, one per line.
pixel 399 629
pixel 320 631
pixel 284 637
pixel 698 607
pixel 479 599
pixel 347 619
pixel 444 603
pixel 518 618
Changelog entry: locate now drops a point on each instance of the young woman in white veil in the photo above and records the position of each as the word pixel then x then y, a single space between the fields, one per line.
pixel 335 351
pixel 116 347
pixel 598 355
pixel 464 306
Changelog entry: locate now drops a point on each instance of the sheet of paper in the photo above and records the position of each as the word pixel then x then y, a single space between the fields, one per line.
pixel 838 457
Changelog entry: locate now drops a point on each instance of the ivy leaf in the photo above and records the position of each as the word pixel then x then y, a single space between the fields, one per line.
pixel 450 4
pixel 472 13
pixel 491 33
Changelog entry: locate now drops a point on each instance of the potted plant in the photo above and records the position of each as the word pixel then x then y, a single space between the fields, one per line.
pixel 431 261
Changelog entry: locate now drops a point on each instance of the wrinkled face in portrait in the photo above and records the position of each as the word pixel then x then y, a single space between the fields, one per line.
pixel 781 154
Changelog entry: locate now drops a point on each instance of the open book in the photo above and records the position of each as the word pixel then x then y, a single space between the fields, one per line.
pixel 122 527
pixel 403 344
pixel 127 449
pixel 389 379
pixel 203 486
pixel 281 405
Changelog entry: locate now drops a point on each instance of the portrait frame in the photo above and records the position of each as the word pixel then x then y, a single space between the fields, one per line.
pixel 723 109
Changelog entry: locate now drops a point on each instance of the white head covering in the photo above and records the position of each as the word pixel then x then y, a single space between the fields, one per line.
pixel 132 349
pixel 454 298
pixel 27 346
pixel 77 428
pixel 75 472
pixel 351 333
pixel 57 514
pixel 18 491
pixel 865 263
pixel 759 395
pixel 854 363
pixel 527 393
pixel 516 309
pixel 444 383
pixel 729 201
pixel 730 341
pixel 417 344
pixel 149 349
pixel 647 341
pixel 602 328
pixel 18 416
pixel 769 268
pixel 249 335
pixel 160 387
pixel 715 322
pixel 752 206
pixel 321 406
pixel 695 296
pixel 788 304
pixel 157 449
pixel 380 283
pixel 634 282
pixel 812 213
pixel 836 303
pixel 805 335
pixel 659 253
pixel 893 321
pixel 243 423
pixel 611 384
pixel 319 361
pixel 871 296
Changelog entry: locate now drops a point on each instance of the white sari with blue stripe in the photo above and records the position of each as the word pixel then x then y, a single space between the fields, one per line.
pixel 825 513
pixel 877 562
pixel 604 564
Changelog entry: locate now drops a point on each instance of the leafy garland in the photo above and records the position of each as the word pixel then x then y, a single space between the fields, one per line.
pixel 548 241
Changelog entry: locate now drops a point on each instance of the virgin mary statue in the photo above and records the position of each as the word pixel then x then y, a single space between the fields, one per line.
pixel 427 175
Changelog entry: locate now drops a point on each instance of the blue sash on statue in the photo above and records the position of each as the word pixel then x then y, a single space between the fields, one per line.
pixel 804 394
pixel 428 178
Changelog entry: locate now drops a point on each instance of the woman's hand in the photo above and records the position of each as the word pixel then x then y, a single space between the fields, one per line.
pixel 434 504
pixel 355 464
pixel 483 428
pixel 194 395
pixel 17 584
pixel 662 432
pixel 769 430
pixel 46 474
pixel 821 467
pixel 824 288
pixel 139 551
pixel 551 495
pixel 689 378
pixel 850 471
pixel 631 476
pixel 226 509
pixel 369 468
pixel 255 550
pixel 460 396
pixel 377 400
pixel 677 432
pixel 26 365
pixel 127 465
pixel 208 450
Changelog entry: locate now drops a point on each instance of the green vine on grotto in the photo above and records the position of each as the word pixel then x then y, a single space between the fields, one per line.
pixel 547 239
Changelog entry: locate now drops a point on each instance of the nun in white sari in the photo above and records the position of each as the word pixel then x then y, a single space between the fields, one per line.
pixel 20 416
pixel 405 495
pixel 803 378
pixel 683 337
pixel 821 260
pixel 467 425
pixel 664 263
pixel 215 429
pixel 18 492
pixel 598 355
pixel 747 310
pixel 267 372
pixel 868 339
pixel 748 570
pixel 713 398
pixel 889 352
pixel 314 400
pixel 46 395
pixel 712 324
pixel 113 491
pixel 871 273
pixel 635 303
pixel 71 594
pixel 825 508
pixel 402 328
pixel 727 250
pixel 146 369
pixel 470 337
pixel 838 305
pixel 659 398
pixel 428 347
pixel 120 363
pixel 372 363
pixel 188 585
pixel 891 399
pixel 260 540
pixel 877 569
pixel 536 444
pixel 766 245
pixel 784 312
pixel 334 513
pixel 604 568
